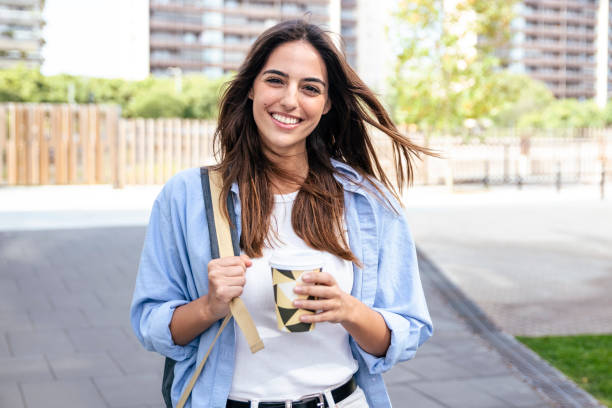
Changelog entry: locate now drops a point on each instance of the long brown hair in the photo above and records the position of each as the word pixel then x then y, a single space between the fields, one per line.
pixel 317 215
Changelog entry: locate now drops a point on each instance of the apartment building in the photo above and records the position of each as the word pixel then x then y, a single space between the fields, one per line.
pixel 560 43
pixel 213 36
pixel 20 33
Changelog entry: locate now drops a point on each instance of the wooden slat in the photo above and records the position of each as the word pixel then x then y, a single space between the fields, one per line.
pixel 131 152
pixel 177 136
pixel 140 151
pixel 187 144
pixel 11 147
pixel 121 154
pixel 168 148
pixel 150 149
pixel 32 145
pixel 43 144
pixel 159 151
pixel 112 130
pixel 20 120
pixel 71 143
pixel 3 143
pixel 87 146
pixel 96 139
pixel 195 147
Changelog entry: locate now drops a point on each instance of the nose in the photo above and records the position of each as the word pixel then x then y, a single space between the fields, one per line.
pixel 289 98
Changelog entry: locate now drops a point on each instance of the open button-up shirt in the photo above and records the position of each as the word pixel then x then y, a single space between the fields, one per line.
pixel 173 271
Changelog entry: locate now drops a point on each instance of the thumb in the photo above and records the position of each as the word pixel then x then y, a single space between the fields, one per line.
pixel 247 261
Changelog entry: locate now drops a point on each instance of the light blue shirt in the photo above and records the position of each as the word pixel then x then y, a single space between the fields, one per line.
pixel 173 271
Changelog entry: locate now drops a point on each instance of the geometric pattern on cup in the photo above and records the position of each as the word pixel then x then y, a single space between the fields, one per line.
pixel 288 316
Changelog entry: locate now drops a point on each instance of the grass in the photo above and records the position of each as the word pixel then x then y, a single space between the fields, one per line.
pixel 586 359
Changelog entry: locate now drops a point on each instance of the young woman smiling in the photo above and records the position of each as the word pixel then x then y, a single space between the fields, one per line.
pixel 305 179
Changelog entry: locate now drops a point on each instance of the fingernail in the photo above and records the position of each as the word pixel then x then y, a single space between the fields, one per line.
pixel 298 289
pixel 297 303
pixel 306 276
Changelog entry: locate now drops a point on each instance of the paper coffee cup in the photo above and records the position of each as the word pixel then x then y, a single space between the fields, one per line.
pixel 285 276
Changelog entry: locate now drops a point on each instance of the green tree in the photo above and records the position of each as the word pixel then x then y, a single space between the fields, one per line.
pixel 565 113
pixel 446 67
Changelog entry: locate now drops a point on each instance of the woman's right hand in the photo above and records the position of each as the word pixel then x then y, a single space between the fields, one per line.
pixel 226 279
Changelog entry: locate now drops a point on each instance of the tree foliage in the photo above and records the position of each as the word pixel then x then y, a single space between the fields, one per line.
pixel 446 69
pixel 149 98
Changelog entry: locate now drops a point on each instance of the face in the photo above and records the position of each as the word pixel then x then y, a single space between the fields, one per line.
pixel 289 96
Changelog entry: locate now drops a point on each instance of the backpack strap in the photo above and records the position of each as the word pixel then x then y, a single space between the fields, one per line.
pixel 223 242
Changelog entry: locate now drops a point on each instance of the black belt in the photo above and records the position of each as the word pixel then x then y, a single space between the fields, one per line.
pixel 316 401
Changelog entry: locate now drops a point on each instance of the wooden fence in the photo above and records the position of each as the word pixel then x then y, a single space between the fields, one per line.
pixel 92 144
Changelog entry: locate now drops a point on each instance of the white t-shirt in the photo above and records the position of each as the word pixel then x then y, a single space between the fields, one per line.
pixel 291 365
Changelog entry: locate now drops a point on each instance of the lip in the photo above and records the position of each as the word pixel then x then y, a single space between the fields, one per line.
pixel 285 125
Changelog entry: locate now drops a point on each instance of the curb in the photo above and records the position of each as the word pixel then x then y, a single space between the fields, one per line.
pixel 549 381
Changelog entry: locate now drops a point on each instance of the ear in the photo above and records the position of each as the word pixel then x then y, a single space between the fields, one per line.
pixel 327 106
pixel 251 93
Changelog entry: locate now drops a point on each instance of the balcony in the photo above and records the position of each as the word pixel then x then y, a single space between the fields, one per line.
pixel 578 5
pixel 189 64
pixel 20 45
pixel 179 45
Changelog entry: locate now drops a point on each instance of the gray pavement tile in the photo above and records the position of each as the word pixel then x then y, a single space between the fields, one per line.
pixel 75 300
pixel 435 368
pixel 459 394
pixel 10 396
pixel 86 282
pixel 58 319
pixel 15 320
pixel 62 394
pixel 45 282
pixel 138 361
pixel 131 390
pixel 481 364
pixel 17 301
pixel 510 389
pixel 4 347
pixel 47 341
pixel 79 365
pixel 115 299
pixel 108 317
pixel 401 374
pixel 24 368
pixel 100 339
pixel 405 396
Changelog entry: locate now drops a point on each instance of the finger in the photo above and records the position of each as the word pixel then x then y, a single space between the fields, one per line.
pixel 328 316
pixel 234 281
pixel 223 271
pixel 324 304
pixel 320 291
pixel 231 261
pixel 247 261
pixel 319 278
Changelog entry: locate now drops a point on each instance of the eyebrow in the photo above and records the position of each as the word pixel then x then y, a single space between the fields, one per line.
pixel 284 75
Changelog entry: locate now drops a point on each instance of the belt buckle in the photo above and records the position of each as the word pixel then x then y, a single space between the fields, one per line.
pixel 321 403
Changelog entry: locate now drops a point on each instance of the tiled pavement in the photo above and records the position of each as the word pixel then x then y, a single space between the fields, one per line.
pixel 66 340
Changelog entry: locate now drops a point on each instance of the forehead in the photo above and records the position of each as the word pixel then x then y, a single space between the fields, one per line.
pixel 298 59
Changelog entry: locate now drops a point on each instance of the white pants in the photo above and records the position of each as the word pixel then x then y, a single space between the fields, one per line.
pixel 356 400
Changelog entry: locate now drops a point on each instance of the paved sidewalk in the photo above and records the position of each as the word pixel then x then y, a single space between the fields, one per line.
pixel 536 261
pixel 66 284
pixel 66 339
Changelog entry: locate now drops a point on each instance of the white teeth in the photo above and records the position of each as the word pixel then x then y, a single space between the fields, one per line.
pixel 285 119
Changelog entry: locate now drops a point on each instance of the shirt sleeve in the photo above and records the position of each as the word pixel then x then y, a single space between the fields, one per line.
pixel 161 284
pixel 399 296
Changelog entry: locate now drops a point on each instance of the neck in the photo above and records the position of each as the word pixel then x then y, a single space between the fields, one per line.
pixel 296 165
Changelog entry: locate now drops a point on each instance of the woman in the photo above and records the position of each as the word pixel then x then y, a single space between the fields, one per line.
pixel 304 177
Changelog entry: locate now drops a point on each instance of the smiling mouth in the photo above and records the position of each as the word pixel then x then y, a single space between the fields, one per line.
pixel 285 120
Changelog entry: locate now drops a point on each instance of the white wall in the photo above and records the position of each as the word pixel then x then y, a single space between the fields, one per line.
pixel 375 61
pixel 108 38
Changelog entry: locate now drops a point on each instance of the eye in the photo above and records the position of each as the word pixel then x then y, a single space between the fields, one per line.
pixel 312 89
pixel 274 80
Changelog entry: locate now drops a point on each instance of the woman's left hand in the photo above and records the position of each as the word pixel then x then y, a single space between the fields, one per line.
pixel 336 306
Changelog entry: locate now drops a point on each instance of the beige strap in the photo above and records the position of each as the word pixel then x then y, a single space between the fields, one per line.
pixel 224 238
pixel 237 307
pixel 198 370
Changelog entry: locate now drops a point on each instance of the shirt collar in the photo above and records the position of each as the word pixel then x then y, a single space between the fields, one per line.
pixel 352 181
